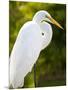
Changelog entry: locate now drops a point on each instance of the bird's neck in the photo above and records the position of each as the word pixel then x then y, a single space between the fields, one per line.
pixel 47 30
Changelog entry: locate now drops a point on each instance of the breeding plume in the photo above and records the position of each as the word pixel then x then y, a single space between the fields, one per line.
pixel 33 37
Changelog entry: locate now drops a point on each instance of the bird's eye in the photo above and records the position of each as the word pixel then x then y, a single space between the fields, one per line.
pixel 42 34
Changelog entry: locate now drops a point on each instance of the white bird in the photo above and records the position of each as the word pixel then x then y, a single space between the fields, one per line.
pixel 33 37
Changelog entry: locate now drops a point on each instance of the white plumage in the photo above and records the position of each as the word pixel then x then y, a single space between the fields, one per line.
pixel 34 36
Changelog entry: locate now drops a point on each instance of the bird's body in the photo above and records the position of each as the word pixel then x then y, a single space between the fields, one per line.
pixel 32 38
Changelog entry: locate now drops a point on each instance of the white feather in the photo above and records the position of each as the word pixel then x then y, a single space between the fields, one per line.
pixel 25 53
pixel 26 50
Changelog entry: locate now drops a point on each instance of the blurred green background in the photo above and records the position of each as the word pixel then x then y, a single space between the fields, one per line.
pixel 51 64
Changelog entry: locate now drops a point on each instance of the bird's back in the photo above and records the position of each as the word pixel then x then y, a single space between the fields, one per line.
pixel 25 53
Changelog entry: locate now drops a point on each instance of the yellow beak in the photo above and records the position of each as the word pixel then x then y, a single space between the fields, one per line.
pixel 55 22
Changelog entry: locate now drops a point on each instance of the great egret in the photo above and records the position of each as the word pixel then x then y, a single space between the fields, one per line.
pixel 33 37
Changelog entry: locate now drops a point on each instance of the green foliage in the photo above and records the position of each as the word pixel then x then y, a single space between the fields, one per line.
pixel 51 65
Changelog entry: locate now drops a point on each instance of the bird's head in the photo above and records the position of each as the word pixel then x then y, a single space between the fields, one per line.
pixel 44 16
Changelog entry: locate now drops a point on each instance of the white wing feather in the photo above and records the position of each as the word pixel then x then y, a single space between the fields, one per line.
pixel 25 53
